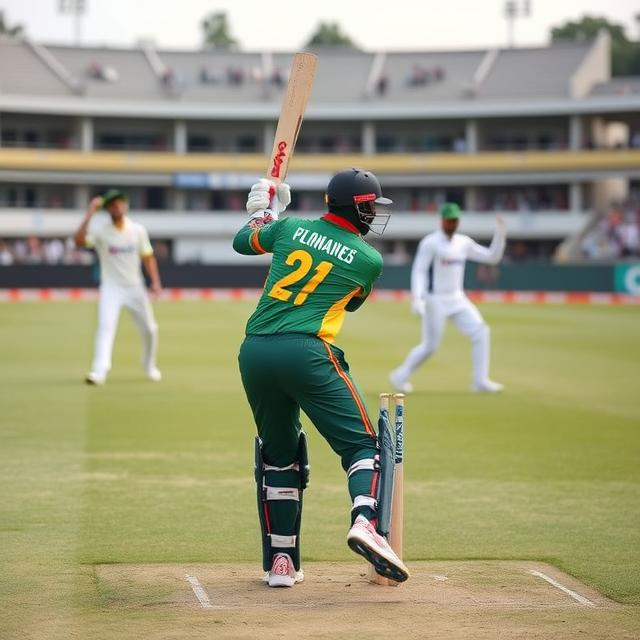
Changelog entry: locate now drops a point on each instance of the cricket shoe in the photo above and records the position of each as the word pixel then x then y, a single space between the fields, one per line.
pixel 365 540
pixel 154 374
pixel 94 378
pixel 283 573
pixel 399 382
pixel 487 386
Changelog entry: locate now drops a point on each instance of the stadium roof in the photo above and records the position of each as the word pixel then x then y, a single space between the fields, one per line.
pixel 350 84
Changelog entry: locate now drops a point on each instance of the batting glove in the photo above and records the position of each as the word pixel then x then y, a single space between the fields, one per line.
pixel 419 306
pixel 260 196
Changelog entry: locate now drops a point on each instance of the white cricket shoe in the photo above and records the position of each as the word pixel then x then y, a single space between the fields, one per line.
pixel 365 540
pixel 487 386
pixel 95 378
pixel 400 383
pixel 154 374
pixel 283 573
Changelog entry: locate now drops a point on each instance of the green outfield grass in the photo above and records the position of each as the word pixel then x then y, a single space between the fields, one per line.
pixel 136 472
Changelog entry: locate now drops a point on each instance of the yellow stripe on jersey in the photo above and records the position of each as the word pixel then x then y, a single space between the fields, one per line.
pixel 333 319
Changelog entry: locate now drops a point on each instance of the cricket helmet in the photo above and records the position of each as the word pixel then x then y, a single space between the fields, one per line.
pixel 354 194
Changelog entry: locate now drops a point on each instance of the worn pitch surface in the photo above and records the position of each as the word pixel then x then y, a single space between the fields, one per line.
pixel 327 585
pixel 495 599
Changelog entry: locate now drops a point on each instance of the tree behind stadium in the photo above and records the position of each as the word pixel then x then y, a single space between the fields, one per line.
pixel 625 53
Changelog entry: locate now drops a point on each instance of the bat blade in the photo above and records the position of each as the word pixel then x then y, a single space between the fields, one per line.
pixel 295 100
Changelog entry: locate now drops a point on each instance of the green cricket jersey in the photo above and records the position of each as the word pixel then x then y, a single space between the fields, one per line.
pixel 320 269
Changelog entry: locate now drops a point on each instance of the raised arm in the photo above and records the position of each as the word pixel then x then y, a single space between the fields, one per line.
pixel 421 263
pixel 80 236
pixel 492 254
pixel 256 236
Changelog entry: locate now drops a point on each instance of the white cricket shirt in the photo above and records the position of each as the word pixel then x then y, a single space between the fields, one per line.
pixel 119 251
pixel 438 266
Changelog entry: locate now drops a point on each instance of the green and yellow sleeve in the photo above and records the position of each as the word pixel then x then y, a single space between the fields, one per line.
pixel 253 240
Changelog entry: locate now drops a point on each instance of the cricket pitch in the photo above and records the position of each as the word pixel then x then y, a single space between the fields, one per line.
pixel 497 599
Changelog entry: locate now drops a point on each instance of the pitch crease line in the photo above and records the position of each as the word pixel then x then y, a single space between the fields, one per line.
pixel 555 583
pixel 199 592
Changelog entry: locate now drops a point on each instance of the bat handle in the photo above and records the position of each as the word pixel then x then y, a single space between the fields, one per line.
pixel 274 205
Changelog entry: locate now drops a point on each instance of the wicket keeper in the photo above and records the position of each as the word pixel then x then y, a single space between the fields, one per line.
pixel 121 245
pixel 320 269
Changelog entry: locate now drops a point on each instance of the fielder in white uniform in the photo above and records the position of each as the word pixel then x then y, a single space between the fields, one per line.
pixel 122 245
pixel 437 294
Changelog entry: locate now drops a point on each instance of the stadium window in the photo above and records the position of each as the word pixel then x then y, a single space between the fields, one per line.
pixel 9 138
pixel 155 198
pixel 545 141
pixel 58 139
pixel 327 144
pixel 216 201
pixel 303 144
pixel 196 200
pixel 520 142
pixel 386 143
pixel 31 138
pixel 144 142
pixel 30 198
pixel 111 141
pixel 247 144
pixel 200 143
pixel 12 197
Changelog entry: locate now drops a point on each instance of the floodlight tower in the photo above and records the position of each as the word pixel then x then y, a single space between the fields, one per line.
pixel 514 9
pixel 77 9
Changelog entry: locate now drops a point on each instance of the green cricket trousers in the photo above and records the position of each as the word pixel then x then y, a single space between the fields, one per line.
pixel 284 373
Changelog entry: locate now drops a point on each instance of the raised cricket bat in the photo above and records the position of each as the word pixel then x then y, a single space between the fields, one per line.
pixel 303 70
pixel 397 505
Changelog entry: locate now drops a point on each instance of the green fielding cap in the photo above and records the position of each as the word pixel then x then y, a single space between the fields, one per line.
pixel 450 211
pixel 111 195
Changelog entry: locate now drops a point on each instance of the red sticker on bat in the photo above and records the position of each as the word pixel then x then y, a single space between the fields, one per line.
pixel 278 159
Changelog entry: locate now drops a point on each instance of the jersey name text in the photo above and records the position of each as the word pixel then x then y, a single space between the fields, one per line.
pixel 330 246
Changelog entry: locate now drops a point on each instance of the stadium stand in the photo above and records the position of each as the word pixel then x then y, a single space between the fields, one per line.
pixel 541 135
pixel 533 73
pixel 23 72
pixel 131 75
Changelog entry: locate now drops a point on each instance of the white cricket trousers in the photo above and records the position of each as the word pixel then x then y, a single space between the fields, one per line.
pixel 111 299
pixel 466 317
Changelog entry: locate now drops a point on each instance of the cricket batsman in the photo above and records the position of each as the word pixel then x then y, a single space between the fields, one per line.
pixel 321 269
pixel 437 295
pixel 121 245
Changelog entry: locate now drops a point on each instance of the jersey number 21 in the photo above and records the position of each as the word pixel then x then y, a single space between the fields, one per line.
pixel 304 263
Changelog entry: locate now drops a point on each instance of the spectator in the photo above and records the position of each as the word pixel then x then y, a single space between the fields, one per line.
pixel 518 251
pixel 161 250
pixel 277 78
pixel 460 145
pixel 99 71
pixel 35 253
pixel 382 85
pixel 207 76
pixel 419 76
pixel 439 74
pixel 6 257
pixel 53 251
pixel 235 76
pixel 616 236
pixel 629 234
